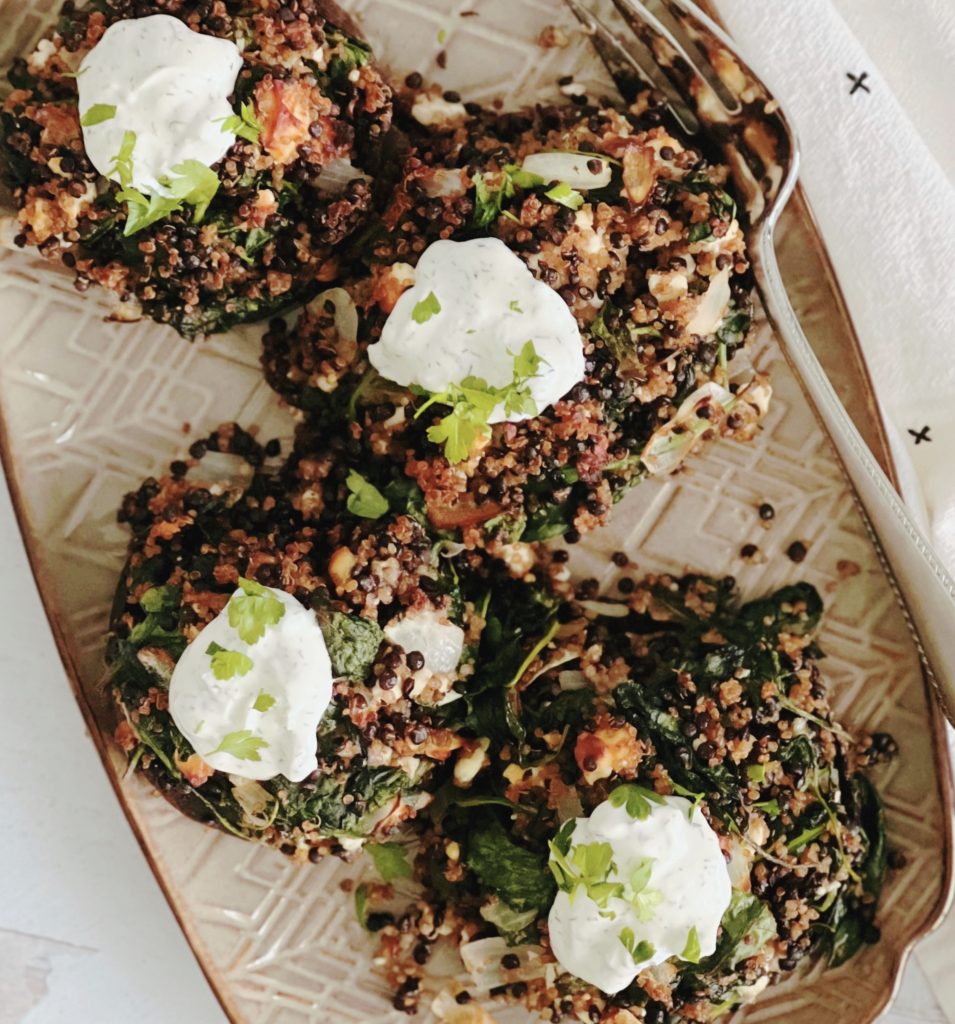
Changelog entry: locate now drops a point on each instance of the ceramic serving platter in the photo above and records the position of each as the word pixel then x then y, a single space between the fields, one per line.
pixel 88 408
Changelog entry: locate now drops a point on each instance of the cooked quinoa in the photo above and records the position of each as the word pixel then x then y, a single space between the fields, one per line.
pixel 196 531
pixel 685 692
pixel 637 262
pixel 286 201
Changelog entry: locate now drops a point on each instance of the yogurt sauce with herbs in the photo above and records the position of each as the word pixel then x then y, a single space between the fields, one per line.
pixel 252 709
pixel 169 85
pixel 688 887
pixel 473 307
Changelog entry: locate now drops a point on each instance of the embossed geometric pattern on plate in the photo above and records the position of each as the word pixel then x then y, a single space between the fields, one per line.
pixel 90 408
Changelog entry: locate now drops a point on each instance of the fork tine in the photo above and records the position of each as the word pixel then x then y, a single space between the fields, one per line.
pixel 626 60
pixel 672 15
pixel 662 26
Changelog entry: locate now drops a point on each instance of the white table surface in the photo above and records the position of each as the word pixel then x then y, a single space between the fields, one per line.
pixel 86 936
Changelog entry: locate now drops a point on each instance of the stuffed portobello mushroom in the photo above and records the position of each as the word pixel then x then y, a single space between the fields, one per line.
pixel 551 305
pixel 204 162
pixel 281 682
pixel 667 817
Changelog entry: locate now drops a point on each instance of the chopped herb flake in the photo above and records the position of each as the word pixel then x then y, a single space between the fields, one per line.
pixel 426 309
pixel 253 610
pixel 640 951
pixel 228 664
pixel 243 745
pixel 691 951
pixel 474 400
pixel 565 195
pixel 97 114
pixel 365 499
pixel 244 124
pixel 263 702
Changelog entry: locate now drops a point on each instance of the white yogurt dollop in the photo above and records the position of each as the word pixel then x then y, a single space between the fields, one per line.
pixel 688 887
pixel 279 700
pixel 473 307
pixel 169 85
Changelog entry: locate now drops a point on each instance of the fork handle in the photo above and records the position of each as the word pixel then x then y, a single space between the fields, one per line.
pixel 921 582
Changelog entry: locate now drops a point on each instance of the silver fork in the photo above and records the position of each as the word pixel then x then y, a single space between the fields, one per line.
pixel 674 47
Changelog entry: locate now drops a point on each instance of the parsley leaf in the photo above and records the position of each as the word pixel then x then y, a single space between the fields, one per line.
pixel 263 701
pixel 123 161
pixel 583 868
pixel 527 363
pixel 365 499
pixel 243 745
pixel 565 195
pixel 228 664
pixel 489 198
pixel 97 114
pixel 515 306
pixel 254 610
pixel 390 860
pixel 636 799
pixel 691 951
pixel 474 400
pixel 194 183
pixel 640 951
pixel 244 124
pixel 347 54
pixel 426 309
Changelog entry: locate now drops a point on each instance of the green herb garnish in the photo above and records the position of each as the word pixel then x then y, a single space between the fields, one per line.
pixel 365 499
pixel 253 611
pixel 97 114
pixel 426 309
pixel 244 124
pixel 691 951
pixel 474 400
pixel 636 799
pixel 640 951
pixel 227 664
pixel 489 199
pixel 263 701
pixel 194 184
pixel 565 195
pixel 243 745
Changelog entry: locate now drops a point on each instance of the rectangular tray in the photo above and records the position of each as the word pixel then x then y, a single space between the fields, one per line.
pixel 89 408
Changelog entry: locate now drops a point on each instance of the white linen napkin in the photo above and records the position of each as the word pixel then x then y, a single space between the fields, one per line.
pixel 869 86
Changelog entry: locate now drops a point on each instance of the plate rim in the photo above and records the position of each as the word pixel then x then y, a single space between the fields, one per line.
pixel 217 982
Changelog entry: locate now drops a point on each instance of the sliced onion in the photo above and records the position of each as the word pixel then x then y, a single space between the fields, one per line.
pixel 609 609
pixel 432 634
pixel 435 110
pixel 570 168
pixel 346 312
pixel 673 442
pixel 228 471
pixel 572 679
pixel 443 181
pixel 337 175
pixel 712 307
pixel 483 962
